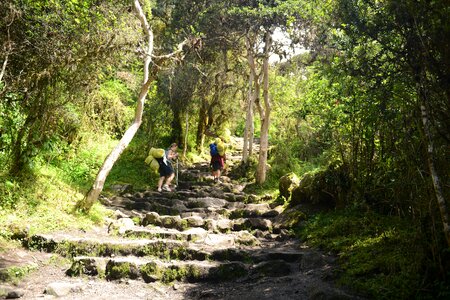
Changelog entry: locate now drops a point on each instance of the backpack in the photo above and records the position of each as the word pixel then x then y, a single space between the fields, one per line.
pixel 213 149
pixel 221 148
pixel 157 153
pixel 151 158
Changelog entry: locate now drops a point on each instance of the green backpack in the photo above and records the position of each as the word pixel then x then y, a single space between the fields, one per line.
pixel 151 158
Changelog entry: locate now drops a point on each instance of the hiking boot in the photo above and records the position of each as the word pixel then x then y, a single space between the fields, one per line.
pixel 166 188
pixel 159 190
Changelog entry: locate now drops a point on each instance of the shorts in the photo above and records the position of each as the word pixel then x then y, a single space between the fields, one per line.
pixel 217 165
pixel 164 170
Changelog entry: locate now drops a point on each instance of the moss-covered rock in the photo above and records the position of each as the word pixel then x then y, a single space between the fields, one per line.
pixel 287 184
pixel 323 190
pixel 118 270
pixel 83 266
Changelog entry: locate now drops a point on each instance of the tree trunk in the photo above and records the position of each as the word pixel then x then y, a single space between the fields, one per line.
pixel 248 131
pixel 186 134
pixel 86 204
pixel 177 128
pixel 265 114
pixel 434 175
pixel 201 127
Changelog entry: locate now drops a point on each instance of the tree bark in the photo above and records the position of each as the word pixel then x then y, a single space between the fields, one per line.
pixel 443 209
pixel 201 126
pixel 93 194
pixel 186 134
pixel 265 114
pixel 248 130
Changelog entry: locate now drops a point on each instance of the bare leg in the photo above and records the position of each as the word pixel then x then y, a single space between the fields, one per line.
pixel 169 179
pixel 160 182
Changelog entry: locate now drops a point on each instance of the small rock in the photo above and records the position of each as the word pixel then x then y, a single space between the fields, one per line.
pixel 246 238
pixel 60 289
pixel 224 225
pixel 14 294
pixel 257 223
pixel 196 234
pixel 121 226
pixel 151 218
pixel 219 240
pixel 170 221
pixel 194 221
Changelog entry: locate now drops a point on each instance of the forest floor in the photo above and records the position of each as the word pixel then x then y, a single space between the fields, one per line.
pixel 235 242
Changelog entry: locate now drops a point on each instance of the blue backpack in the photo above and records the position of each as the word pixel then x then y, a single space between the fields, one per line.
pixel 213 149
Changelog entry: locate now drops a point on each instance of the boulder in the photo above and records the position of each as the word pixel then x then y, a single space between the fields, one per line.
pixel 287 184
pixel 323 190
pixel 60 289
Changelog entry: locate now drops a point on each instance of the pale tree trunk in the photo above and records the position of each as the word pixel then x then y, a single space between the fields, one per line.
pixel 254 98
pixel 5 62
pixel 265 114
pixel 248 141
pixel 186 134
pixel 94 192
pixel 434 175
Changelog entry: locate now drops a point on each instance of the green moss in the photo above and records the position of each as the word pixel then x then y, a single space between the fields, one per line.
pixel 294 217
pixel 117 270
pixel 380 256
pixel 150 272
pixel 15 274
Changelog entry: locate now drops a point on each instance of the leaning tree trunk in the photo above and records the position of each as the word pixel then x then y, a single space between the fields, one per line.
pixel 94 192
pixel 265 115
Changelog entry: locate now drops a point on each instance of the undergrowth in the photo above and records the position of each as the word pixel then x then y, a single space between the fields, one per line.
pixel 383 257
pixel 43 199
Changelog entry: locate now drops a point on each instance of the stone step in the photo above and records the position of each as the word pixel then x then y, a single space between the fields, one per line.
pixel 194 235
pixel 213 221
pixel 70 246
pixel 185 201
pixel 151 270
pixel 214 247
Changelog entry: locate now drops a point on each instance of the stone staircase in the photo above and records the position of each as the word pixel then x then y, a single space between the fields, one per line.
pixel 205 233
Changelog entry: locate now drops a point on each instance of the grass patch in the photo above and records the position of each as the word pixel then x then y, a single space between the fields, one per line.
pixel 381 256
pixel 43 201
pixel 130 168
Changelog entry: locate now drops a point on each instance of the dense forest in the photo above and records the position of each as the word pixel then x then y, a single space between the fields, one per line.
pixel 350 96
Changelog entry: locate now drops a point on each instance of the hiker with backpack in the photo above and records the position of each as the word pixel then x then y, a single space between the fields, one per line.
pixel 166 171
pixel 218 158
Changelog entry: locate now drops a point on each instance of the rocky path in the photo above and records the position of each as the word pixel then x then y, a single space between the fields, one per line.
pixel 202 241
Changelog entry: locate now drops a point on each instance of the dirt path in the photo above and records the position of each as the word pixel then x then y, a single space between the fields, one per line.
pixel 203 241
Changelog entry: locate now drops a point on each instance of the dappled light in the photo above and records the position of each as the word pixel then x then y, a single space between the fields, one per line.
pixel 303 149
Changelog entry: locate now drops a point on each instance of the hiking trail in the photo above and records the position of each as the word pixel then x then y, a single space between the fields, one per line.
pixel 204 240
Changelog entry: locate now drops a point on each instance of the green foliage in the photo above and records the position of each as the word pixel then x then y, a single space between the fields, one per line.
pixel 59 48
pixel 112 106
pixel 15 274
pixel 131 169
pixel 380 255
